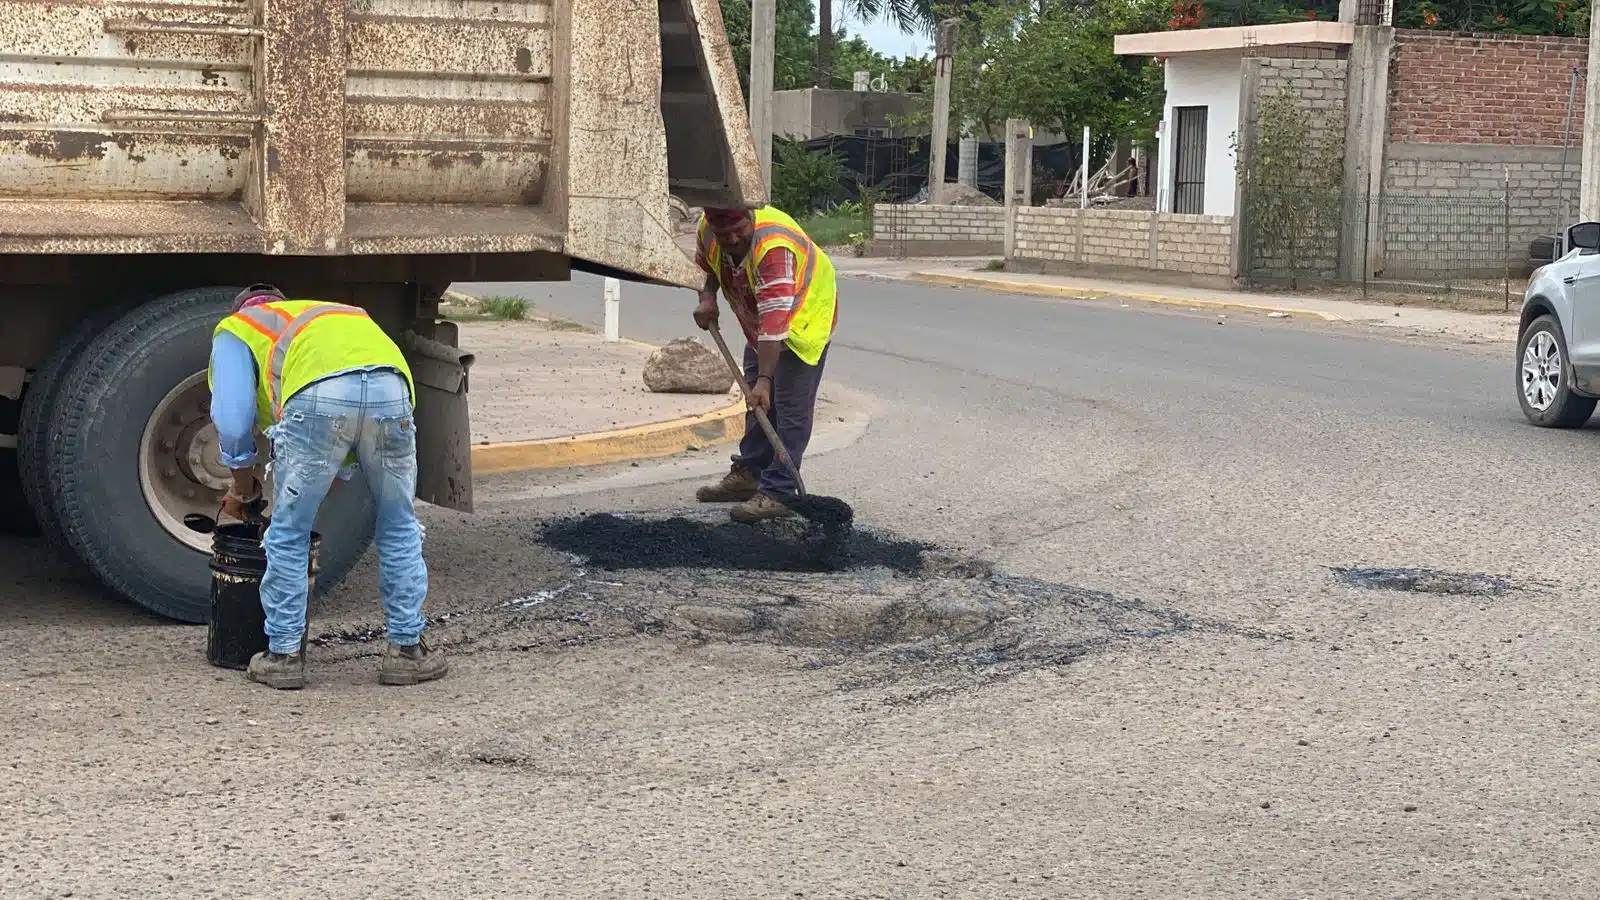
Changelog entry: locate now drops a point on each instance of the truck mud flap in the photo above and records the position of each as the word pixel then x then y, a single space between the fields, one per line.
pixel 444 436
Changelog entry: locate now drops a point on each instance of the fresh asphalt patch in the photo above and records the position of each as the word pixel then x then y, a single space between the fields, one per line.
pixel 783 545
pixel 900 620
pixel 1425 581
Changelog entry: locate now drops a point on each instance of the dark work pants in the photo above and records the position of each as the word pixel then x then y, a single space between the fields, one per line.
pixel 794 406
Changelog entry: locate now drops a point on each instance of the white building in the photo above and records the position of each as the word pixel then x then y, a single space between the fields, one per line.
pixel 1195 170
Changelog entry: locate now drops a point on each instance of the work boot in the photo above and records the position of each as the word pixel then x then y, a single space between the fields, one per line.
pixel 759 509
pixel 411 665
pixel 283 671
pixel 736 486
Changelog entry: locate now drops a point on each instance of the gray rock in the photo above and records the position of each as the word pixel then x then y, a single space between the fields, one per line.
pixel 687 366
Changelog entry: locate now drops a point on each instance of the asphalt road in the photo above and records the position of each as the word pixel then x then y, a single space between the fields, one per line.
pixel 1130 668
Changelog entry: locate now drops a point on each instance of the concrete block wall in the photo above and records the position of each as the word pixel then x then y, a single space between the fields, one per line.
pixel 1066 238
pixel 1047 233
pixel 1318 83
pixel 1202 245
pixel 1444 208
pixel 1116 238
pixel 1320 86
pixel 926 230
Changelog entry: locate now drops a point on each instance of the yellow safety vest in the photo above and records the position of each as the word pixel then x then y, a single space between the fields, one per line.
pixel 815 289
pixel 297 342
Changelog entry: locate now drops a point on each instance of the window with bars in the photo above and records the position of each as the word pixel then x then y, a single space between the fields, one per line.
pixel 1189 160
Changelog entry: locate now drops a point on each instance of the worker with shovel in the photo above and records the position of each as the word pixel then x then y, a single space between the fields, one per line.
pixel 781 288
pixel 325 383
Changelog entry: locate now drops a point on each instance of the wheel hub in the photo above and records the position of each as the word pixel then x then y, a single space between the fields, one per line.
pixel 199 456
pixel 1541 371
pixel 180 470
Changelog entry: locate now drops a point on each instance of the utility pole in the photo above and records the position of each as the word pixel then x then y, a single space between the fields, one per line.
pixel 763 38
pixel 944 50
pixel 1589 183
pixel 1083 196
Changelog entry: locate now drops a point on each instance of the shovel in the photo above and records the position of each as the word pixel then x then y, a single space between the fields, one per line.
pixel 833 514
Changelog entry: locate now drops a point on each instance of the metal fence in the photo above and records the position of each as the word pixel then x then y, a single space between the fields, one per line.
pixel 1457 249
pixel 1466 250
pixel 902 179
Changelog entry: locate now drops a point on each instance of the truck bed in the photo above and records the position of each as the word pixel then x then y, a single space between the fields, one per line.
pixel 362 127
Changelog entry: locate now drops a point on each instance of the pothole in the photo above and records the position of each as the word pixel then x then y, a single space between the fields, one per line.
pixel 901 618
pixel 1425 581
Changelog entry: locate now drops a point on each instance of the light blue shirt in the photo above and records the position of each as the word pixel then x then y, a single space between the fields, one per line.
pixel 233 402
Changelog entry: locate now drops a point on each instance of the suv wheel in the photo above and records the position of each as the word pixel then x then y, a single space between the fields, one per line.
pixel 1544 378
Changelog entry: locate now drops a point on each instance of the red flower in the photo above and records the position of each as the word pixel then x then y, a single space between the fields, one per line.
pixel 1429 19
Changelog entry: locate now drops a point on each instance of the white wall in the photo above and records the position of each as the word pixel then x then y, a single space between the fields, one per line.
pixel 1211 80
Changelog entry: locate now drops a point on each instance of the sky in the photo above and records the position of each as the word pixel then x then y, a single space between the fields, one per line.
pixel 887 39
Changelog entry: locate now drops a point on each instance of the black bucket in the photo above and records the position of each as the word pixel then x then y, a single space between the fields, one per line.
pixel 238 627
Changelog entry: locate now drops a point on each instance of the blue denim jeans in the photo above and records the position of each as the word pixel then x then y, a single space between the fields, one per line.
pixel 368 413
pixel 794 408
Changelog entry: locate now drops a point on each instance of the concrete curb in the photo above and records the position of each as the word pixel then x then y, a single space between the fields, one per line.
pixel 651 441
pixel 1069 293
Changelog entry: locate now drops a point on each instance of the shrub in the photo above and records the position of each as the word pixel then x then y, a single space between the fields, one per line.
pixel 802 180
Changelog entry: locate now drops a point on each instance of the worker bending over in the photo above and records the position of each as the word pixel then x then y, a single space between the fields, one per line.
pixel 781 288
pixel 326 384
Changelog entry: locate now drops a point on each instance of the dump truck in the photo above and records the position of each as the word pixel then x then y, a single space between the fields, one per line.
pixel 158 155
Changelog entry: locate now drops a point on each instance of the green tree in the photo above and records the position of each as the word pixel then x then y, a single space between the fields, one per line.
pixel 794 45
pixel 852 55
pixel 910 16
pixel 1057 68
pixel 1553 17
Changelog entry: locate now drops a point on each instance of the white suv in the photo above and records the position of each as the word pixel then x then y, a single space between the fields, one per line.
pixel 1558 346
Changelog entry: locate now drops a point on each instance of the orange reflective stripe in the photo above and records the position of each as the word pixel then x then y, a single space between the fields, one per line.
pixel 802 283
pixel 264 319
pixel 285 339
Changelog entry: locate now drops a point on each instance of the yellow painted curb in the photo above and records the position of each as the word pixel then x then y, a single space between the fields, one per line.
pixel 1069 293
pixel 651 441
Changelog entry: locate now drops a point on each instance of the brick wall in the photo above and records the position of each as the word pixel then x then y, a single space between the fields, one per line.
pixel 924 229
pixel 1466 112
pixel 1161 242
pixel 1483 89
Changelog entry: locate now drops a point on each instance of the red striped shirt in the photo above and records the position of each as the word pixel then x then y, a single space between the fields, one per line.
pixel 763 309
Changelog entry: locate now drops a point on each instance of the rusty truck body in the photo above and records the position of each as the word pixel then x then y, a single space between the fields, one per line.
pixel 157 155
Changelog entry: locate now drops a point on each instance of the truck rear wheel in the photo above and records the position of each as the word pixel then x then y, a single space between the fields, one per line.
pixel 35 424
pixel 132 450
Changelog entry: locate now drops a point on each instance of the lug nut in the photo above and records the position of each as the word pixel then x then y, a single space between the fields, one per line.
pixel 188 493
pixel 170 472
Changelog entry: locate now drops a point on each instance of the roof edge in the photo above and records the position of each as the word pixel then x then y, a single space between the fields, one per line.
pixel 1201 40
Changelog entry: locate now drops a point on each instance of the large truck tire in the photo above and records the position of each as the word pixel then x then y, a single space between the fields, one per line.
pixel 34 427
pixel 132 451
